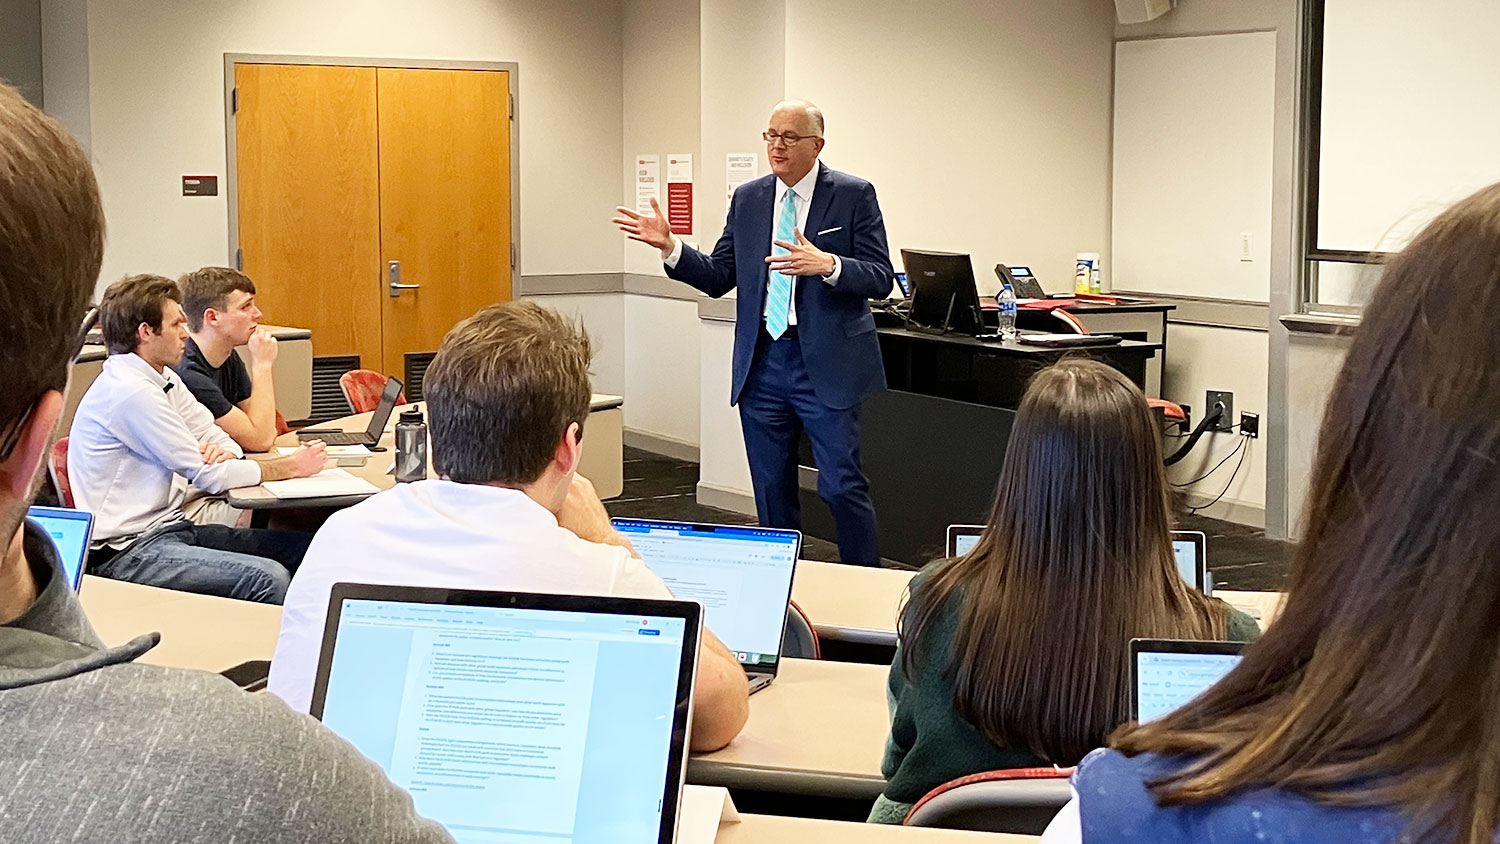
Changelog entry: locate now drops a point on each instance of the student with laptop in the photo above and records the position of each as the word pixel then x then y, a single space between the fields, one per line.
pixel 139 439
pixel 507 395
pixel 1014 655
pixel 1368 712
pixel 95 746
pixel 219 304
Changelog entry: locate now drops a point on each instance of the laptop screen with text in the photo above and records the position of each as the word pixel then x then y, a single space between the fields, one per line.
pixel 741 575
pixel 1169 674
pixel 517 723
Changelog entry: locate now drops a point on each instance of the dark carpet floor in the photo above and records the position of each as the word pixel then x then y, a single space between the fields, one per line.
pixel 659 487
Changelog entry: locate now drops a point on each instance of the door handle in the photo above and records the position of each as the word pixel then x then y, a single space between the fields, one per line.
pixel 393 274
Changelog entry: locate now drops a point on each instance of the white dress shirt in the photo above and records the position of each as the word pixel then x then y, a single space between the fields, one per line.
pixel 803 202
pixel 133 450
pixel 440 533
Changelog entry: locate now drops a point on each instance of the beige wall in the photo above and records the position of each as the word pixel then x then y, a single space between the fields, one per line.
pixel 984 126
pixel 157 110
pixel 21 46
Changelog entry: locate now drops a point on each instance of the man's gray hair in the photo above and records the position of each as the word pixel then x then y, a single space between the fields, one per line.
pixel 814 114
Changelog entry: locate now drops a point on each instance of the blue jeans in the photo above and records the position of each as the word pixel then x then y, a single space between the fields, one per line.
pixel 252 565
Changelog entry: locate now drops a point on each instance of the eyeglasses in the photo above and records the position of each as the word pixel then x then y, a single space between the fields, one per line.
pixel 11 433
pixel 791 139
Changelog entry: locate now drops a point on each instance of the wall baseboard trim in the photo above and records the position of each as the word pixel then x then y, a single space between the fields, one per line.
pixel 724 498
pixel 658 444
pixel 583 284
pixel 1239 512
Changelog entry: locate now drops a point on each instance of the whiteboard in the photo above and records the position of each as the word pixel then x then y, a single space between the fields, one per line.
pixel 1410 117
pixel 1194 123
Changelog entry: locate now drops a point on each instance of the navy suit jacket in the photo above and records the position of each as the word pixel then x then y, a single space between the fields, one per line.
pixel 834 325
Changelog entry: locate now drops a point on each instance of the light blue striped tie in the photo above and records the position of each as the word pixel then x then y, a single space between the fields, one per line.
pixel 779 293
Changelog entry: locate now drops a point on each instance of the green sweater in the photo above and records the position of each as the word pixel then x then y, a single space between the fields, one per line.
pixel 929 743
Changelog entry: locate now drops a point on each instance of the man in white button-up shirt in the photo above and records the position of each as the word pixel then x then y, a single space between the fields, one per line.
pixel 139 439
pixel 507 395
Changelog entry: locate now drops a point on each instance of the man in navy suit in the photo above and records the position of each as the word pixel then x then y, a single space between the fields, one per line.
pixel 806 249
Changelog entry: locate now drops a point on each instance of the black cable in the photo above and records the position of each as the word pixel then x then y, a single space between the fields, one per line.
pixel 1227 457
pixel 1193 511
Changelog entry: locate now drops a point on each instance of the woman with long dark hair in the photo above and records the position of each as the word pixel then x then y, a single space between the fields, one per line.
pixel 1015 654
pixel 1371 710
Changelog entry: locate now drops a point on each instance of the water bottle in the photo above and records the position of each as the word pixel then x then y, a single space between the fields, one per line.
pixel 1007 301
pixel 411 447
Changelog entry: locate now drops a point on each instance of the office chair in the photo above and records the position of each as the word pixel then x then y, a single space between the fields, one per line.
pixel 362 389
pixel 800 641
pixel 1017 800
pixel 57 467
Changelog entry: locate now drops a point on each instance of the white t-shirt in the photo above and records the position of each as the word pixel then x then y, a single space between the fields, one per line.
pixel 444 534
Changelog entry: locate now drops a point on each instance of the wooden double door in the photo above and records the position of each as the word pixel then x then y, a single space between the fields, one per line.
pixel 354 182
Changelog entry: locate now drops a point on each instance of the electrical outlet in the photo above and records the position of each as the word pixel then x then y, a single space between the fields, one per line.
pixel 1250 425
pixel 1187 417
pixel 1226 398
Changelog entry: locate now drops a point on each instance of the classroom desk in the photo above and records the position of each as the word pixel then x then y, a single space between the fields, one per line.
pixel 602 461
pixel 859 604
pixel 851 603
pixel 197 631
pixel 818 730
pixel 772 829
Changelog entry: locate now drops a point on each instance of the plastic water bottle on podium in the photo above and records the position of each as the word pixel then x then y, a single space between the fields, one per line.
pixel 1006 299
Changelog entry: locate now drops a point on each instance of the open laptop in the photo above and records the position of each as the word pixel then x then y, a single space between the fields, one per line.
pixel 70 531
pixel 517 717
pixel 1166 673
pixel 1188 546
pixel 741 575
pixel 371 435
pixel 963 538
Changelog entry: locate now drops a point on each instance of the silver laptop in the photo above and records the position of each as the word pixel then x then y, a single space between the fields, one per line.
pixel 517 717
pixel 371 435
pixel 741 575
pixel 1166 673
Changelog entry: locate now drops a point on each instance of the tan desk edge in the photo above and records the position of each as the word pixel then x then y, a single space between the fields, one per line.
pixel 197 631
pixel 766 829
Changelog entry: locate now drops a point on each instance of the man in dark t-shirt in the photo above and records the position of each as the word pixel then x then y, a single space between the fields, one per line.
pixel 220 307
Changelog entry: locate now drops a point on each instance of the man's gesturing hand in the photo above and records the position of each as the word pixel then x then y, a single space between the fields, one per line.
pixel 801 258
pixel 653 230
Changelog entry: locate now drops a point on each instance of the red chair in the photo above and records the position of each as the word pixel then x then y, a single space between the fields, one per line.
pixel 281 426
pixel 57 467
pixel 362 389
pixel 1169 413
pixel 1016 800
pixel 800 641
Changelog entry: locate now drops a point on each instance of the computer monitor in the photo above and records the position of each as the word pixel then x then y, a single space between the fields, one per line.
pixel 741 575
pixel 1166 673
pixel 516 717
pixel 1188 547
pixel 903 285
pixel 963 538
pixel 943 295
pixel 70 531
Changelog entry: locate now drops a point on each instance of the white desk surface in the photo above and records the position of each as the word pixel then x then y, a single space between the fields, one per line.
pixel 197 631
pixel 771 829
pixel 819 729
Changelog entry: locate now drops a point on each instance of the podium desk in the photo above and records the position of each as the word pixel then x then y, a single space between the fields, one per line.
pixel 818 730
